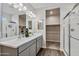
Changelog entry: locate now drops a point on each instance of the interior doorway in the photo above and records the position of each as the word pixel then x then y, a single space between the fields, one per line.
pixel 53 28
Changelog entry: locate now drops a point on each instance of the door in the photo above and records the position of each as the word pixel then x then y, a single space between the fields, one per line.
pixel 38 44
pixel 74 34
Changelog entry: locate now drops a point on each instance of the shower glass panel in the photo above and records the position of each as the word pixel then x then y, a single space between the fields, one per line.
pixel 71 33
pixel 74 33
pixel 66 35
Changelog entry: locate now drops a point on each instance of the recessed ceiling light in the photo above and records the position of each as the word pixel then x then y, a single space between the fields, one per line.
pixel 51 12
pixel 24 8
pixel 21 4
pixel 15 5
pixel 20 9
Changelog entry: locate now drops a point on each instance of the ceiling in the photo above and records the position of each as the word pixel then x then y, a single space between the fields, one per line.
pixel 32 7
pixel 8 9
pixel 44 5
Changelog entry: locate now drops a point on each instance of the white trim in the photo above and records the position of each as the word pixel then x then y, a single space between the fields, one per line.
pixel 63 52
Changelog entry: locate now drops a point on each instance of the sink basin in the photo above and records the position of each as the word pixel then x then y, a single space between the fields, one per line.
pixel 7 39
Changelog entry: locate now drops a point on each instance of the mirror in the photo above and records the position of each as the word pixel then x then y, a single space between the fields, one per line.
pixel 22 24
pixel 29 25
pixel 14 21
pixel 10 20
pixel 40 24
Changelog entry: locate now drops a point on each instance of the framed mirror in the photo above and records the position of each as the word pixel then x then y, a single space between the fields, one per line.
pixel 30 25
pixel 22 24
pixel 10 20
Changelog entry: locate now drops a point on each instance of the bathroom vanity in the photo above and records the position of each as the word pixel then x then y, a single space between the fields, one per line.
pixel 22 47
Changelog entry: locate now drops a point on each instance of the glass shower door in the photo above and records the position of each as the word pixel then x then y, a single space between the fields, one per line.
pixel 66 35
pixel 74 34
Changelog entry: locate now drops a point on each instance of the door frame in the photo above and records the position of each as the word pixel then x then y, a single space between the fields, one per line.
pixel 59 25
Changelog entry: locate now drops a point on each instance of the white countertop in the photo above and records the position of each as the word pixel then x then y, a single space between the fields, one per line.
pixel 17 42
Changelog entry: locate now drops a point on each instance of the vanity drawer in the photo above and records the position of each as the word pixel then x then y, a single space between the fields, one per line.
pixel 26 45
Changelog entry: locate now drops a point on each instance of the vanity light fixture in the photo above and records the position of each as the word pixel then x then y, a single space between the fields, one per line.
pixel 20 9
pixel 15 5
pixel 30 13
pixel 20 4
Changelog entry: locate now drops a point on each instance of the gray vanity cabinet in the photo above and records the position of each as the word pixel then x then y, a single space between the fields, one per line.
pixel 38 46
pixel 32 49
pixel 25 52
pixel 28 49
pixel 39 43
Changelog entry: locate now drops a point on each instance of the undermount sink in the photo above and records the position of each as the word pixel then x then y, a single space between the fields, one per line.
pixel 7 39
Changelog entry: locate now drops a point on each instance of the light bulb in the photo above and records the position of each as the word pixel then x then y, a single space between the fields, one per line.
pixel 15 6
pixel 21 4
pixel 24 8
pixel 20 9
